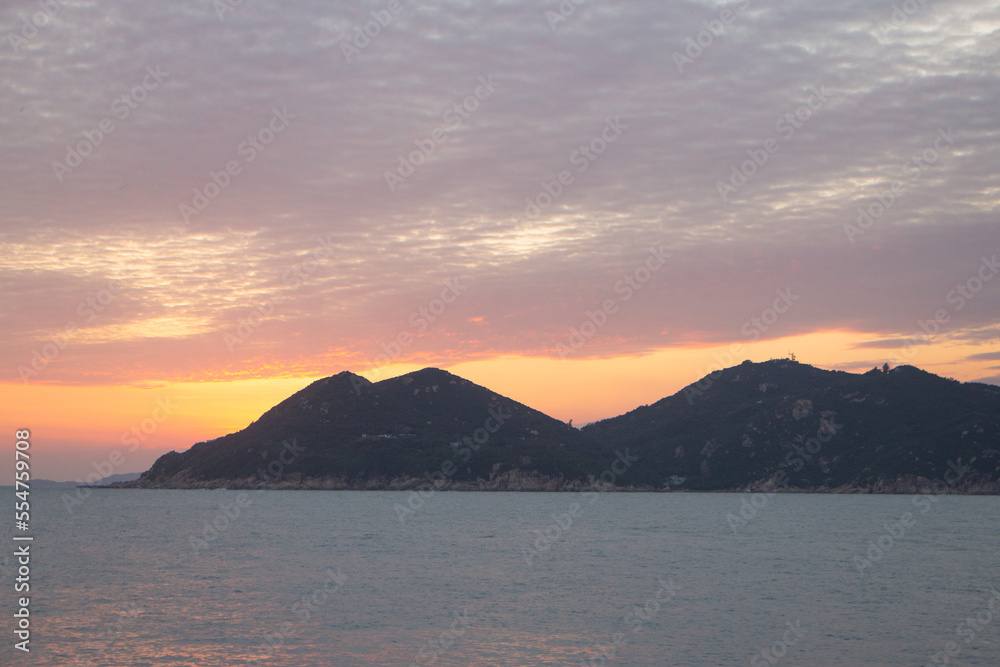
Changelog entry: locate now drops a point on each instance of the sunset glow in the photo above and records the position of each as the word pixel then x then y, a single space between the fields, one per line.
pixel 583 248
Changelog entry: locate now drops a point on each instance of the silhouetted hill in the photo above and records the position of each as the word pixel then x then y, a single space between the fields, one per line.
pixel 110 479
pixel 822 429
pixel 765 425
pixel 346 432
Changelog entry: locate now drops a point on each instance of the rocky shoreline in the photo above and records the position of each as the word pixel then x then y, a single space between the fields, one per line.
pixel 516 481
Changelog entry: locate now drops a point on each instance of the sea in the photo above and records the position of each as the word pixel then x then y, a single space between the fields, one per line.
pixel 297 578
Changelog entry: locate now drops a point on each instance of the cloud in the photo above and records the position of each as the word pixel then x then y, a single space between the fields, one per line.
pixel 984 356
pixel 881 92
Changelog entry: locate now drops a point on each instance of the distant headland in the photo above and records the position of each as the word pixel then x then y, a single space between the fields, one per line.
pixel 773 426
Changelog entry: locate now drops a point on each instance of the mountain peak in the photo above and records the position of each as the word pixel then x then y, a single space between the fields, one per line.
pixel 431 374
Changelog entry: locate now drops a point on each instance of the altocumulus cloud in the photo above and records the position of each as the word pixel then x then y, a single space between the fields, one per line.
pixel 892 84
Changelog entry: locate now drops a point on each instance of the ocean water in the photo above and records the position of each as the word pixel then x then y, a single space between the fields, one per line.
pixel 336 578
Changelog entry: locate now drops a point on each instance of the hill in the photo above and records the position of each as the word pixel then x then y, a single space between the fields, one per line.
pixel 346 432
pixel 106 481
pixel 777 424
pixel 786 423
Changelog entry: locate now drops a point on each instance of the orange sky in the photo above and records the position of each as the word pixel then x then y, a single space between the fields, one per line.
pixel 76 428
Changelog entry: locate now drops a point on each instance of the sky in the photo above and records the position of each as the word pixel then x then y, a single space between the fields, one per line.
pixel 583 205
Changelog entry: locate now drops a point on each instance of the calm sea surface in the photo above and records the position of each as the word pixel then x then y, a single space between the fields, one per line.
pixel 335 578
